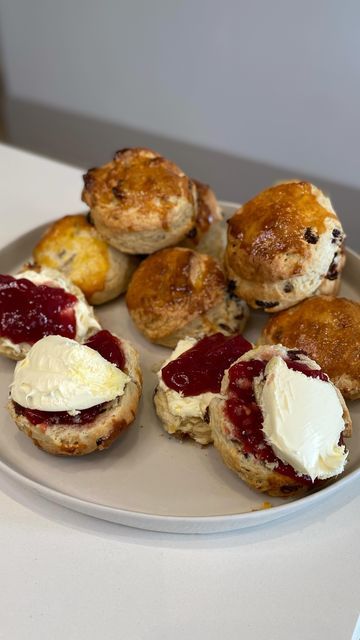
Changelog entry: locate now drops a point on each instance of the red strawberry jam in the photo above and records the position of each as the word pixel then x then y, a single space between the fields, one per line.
pixel 201 368
pixel 109 348
pixel 246 416
pixel 28 311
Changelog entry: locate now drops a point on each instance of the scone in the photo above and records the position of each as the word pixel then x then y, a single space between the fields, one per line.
pixel 285 245
pixel 190 379
pixel 73 246
pixel 81 398
pixel 140 202
pixel 209 232
pixel 177 293
pixel 280 422
pixel 38 302
pixel 328 330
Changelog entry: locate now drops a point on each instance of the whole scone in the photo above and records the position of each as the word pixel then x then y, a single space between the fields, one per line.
pixel 75 432
pixel 328 330
pixel 37 302
pixel 140 202
pixel 73 246
pixel 279 422
pixel 178 292
pixel 285 245
pixel 209 232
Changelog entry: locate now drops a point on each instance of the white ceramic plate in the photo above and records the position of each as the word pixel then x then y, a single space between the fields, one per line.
pixel 148 479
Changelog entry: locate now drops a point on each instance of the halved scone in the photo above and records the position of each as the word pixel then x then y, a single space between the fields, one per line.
pixel 280 422
pixel 72 399
pixel 38 302
pixel 190 379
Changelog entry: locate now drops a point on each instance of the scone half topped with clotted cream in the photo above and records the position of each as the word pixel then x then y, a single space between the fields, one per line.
pixel 37 302
pixel 72 399
pixel 280 422
pixel 285 245
pixel 190 379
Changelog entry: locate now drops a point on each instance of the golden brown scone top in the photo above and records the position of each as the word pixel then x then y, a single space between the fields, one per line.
pixel 327 328
pixel 138 180
pixel 73 246
pixel 270 237
pixel 173 286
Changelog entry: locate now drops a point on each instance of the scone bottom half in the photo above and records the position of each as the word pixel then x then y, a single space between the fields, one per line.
pixel 285 245
pixel 188 381
pixel 282 456
pixel 177 293
pixel 73 399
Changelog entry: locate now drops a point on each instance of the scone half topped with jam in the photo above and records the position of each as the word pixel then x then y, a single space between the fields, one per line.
pixel 280 422
pixel 38 302
pixel 285 245
pixel 140 202
pixel 190 379
pixel 72 399
pixel 178 293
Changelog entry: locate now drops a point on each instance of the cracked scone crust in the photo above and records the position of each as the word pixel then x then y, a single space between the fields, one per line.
pixel 256 473
pixel 284 245
pixel 69 440
pixel 73 246
pixel 328 329
pixel 140 202
pixel 178 292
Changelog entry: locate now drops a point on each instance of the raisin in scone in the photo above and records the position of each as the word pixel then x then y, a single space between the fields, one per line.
pixel 190 379
pixel 38 302
pixel 328 330
pixel 72 399
pixel 73 246
pixel 280 422
pixel 285 245
pixel 140 202
pixel 178 293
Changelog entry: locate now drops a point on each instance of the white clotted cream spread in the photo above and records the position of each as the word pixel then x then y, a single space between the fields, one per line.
pixel 303 420
pixel 59 374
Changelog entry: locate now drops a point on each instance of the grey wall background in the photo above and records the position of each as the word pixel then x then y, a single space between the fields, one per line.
pixel 275 81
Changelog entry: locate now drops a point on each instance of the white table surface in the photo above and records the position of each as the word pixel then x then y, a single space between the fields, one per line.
pixel 65 575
